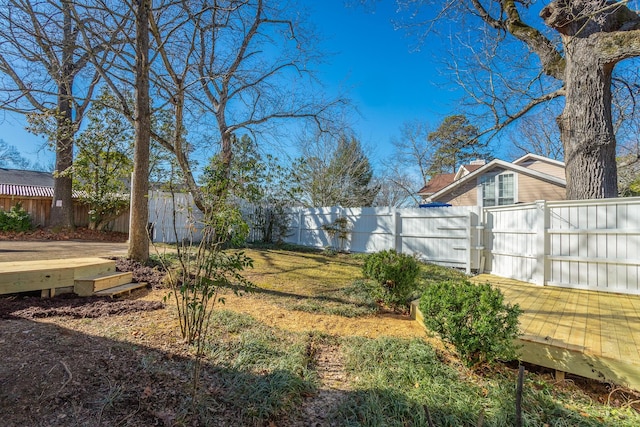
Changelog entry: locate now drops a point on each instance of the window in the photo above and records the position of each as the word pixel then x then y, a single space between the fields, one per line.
pixel 505 189
pixel 498 189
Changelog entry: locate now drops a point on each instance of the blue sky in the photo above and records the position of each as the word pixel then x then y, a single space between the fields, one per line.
pixel 387 83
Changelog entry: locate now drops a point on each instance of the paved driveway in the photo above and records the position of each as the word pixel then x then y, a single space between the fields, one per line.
pixel 37 250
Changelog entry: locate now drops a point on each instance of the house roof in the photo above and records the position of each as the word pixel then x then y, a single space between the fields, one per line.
pixel 468 169
pixel 532 157
pixel 494 164
pixel 437 183
pixel 471 168
pixel 24 183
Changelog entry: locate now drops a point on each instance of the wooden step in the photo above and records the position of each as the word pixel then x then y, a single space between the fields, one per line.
pixel 25 276
pixel 89 285
pixel 121 289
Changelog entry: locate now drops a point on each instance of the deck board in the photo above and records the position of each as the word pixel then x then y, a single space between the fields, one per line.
pixel 588 333
pixel 24 276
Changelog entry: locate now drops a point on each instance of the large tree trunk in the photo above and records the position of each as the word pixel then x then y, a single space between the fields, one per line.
pixel 586 124
pixel 62 205
pixel 138 234
pixel 61 215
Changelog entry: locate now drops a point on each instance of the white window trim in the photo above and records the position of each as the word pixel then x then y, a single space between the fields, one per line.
pixel 495 175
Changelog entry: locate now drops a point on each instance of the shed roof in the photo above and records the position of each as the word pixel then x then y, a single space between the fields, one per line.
pixel 25 190
pixel 25 177
pixel 24 183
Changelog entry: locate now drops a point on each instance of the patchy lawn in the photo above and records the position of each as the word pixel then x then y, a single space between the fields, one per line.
pixel 306 348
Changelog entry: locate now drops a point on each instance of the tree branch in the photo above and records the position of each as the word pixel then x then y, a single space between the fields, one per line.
pixel 524 110
pixel 552 61
pixel 619 45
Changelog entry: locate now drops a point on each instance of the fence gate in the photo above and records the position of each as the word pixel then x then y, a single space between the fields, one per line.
pixel 588 244
pixel 513 237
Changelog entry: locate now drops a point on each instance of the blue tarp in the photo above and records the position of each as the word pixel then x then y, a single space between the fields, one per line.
pixel 435 205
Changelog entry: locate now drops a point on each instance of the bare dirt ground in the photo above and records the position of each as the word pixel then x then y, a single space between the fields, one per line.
pixel 82 361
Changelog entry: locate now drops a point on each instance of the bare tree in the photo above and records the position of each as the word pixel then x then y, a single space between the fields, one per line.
pixel 538 134
pixel 221 67
pixel 10 156
pixel 420 152
pixel 240 66
pixel 412 149
pixel 594 37
pixel 41 65
pixel 407 169
pixel 397 189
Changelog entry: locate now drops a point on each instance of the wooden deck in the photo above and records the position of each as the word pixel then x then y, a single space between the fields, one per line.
pixel 587 333
pixel 49 275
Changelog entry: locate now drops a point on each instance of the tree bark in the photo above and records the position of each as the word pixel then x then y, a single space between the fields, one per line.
pixel 138 233
pixel 61 215
pixel 586 124
pixel 596 35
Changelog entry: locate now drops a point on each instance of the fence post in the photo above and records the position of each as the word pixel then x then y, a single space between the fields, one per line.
pixel 397 236
pixel 540 275
pixel 469 237
pixel 300 218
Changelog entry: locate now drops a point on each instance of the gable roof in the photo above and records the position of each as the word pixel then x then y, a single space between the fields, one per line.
pixel 533 157
pixel 441 180
pixel 468 169
pixel 501 164
pixel 437 183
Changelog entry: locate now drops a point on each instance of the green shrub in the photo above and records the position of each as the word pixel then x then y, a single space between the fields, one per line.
pixel 16 219
pixel 395 274
pixel 474 318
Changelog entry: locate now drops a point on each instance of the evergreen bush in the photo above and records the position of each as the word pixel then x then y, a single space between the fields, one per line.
pixel 474 318
pixel 396 275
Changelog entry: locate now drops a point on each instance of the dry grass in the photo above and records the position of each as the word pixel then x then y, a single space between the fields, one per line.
pixel 271 361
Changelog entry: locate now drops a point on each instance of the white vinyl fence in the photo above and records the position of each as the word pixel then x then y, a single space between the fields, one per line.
pixel 173 217
pixel 592 244
pixel 445 236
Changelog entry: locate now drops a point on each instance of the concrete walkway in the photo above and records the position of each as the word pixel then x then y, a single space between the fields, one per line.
pixel 11 250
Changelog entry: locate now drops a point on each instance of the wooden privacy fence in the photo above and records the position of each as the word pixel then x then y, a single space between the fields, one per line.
pixel 39 209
